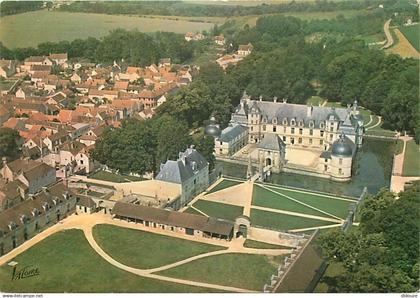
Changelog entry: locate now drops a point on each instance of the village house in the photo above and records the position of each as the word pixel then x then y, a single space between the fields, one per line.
pixel 7 68
pixel 54 141
pixel 33 174
pixel 76 156
pixel 92 135
pixel 245 50
pixel 59 59
pixel 220 40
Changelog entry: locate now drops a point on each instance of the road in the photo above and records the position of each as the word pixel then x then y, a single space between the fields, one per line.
pixel 389 38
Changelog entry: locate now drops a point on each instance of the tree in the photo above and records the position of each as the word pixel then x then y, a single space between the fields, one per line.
pixel 171 138
pixel 8 143
pixel 205 145
pixel 378 256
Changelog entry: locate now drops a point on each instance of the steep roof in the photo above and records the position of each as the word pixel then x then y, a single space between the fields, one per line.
pixel 271 142
pixel 231 132
pixel 185 167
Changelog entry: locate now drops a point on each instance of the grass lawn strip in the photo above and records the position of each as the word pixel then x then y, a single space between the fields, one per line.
pixel 283 222
pixel 225 183
pixel 411 165
pixel 304 204
pixel 67 263
pixel 192 211
pixel 312 193
pixel 263 245
pixel 339 209
pixel 297 214
pixel 247 271
pixel 314 228
pixel 146 250
pixel 219 210
pixel 267 198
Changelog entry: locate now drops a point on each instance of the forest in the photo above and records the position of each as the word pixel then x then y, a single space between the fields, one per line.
pixel 135 47
pixel 180 8
pixel 380 255
pixel 15 7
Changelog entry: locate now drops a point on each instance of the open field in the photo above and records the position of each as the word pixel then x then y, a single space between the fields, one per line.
pixel 219 210
pixel 403 47
pixel 240 270
pixel 145 250
pixel 112 177
pixel 412 33
pixel 32 28
pixel 411 159
pixel 284 222
pixel 67 263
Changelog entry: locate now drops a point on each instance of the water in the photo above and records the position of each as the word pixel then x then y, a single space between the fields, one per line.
pixel 372 168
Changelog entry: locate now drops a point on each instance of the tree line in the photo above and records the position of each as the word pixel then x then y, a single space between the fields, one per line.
pixel 135 47
pixel 141 146
pixel 15 7
pixel 180 8
pixel 380 255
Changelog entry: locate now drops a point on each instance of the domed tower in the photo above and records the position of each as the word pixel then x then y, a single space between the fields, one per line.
pixel 212 129
pixel 341 158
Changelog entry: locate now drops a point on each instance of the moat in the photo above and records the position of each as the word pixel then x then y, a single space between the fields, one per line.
pixel 372 168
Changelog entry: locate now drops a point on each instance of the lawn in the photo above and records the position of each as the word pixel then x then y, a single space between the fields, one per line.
pixel 113 177
pixel 192 211
pixel 412 33
pixel 333 206
pixel 225 183
pixel 283 222
pixel 146 250
pixel 32 28
pixel 411 159
pixel 245 271
pixel 67 263
pixel 220 210
pixel 265 198
pixel 399 147
pixel 262 245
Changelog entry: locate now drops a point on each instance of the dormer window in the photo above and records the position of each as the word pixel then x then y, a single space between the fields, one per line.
pixel 274 120
pixel 285 121
pixel 322 125
pixel 293 122
pixel 311 124
pixel 264 120
pixel 300 123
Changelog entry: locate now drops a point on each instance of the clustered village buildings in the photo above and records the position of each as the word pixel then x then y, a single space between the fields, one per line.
pixel 60 108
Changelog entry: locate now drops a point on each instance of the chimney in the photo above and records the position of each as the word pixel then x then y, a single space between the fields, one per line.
pixel 261 98
pixel 275 98
pixel 309 110
pixel 284 100
pixel 4 159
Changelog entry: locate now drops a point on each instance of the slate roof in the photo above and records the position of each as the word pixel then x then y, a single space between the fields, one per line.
pixel 173 218
pixel 231 132
pixel 180 170
pixel 271 142
pixel 27 207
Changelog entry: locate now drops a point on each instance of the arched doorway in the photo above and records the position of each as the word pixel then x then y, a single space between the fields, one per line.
pixel 242 225
pixel 242 231
pixel 268 161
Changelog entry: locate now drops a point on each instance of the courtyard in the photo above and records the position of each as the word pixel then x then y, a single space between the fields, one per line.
pixel 272 206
